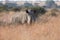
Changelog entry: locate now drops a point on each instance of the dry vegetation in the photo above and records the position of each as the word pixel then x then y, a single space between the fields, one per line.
pixel 47 27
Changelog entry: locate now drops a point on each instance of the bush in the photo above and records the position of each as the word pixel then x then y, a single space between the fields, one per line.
pixel 53 12
pixel 38 10
pixel 3 8
pixel 6 8
pixel 14 9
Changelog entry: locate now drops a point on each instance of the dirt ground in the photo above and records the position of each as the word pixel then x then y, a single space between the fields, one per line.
pixel 39 31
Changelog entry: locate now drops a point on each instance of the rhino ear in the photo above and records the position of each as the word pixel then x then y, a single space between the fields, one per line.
pixel 27 11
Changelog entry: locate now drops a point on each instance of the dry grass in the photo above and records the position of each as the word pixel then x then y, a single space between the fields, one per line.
pixel 49 30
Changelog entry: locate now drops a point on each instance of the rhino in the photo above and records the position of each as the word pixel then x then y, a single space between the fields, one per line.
pixel 21 17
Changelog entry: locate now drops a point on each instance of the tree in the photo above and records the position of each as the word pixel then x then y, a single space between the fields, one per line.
pixel 27 4
pixel 51 4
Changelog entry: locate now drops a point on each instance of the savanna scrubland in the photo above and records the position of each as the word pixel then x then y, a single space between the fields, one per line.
pixel 47 27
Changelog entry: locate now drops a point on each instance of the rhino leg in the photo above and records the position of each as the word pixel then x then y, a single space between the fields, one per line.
pixel 29 20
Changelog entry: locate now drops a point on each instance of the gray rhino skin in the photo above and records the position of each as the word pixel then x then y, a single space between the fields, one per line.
pixel 21 17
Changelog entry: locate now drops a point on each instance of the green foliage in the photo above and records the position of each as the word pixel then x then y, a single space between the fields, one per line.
pixel 14 9
pixel 3 8
pixel 39 10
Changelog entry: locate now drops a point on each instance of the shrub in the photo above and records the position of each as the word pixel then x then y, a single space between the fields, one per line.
pixel 53 12
pixel 3 8
pixel 38 10
pixel 6 8
pixel 14 9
